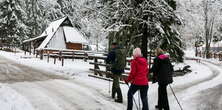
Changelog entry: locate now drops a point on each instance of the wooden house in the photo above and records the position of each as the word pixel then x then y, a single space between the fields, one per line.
pixel 60 34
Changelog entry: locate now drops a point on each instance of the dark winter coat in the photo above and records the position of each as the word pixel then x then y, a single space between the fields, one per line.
pixel 138 72
pixel 117 59
pixel 162 70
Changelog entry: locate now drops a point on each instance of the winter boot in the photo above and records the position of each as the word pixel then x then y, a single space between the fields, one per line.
pixel 119 96
pixel 157 107
pixel 119 100
pixel 113 93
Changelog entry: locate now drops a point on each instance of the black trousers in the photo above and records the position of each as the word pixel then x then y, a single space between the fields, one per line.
pixel 163 102
pixel 143 96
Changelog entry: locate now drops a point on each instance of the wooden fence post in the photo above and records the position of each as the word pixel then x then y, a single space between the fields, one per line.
pixel 41 54
pixel 62 61
pixel 73 53
pixel 34 51
pixel 96 66
pixel 48 56
pixel 85 57
pixel 220 56
pixel 15 50
pixel 24 47
pixel 60 55
pixel 30 48
pixel 37 53
pixel 54 60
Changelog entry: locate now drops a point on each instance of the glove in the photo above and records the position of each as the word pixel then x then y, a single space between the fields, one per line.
pixel 126 82
pixel 154 80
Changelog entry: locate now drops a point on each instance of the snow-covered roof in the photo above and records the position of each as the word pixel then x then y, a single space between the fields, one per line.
pixel 32 39
pixel 50 31
pixel 72 35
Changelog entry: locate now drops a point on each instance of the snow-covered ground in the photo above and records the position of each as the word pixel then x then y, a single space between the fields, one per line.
pixel 204 75
pixel 11 100
pixel 70 68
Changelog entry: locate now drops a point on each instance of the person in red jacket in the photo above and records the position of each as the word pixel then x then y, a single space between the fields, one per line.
pixel 138 78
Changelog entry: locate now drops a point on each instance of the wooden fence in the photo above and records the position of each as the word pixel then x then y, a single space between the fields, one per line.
pixel 61 55
pixel 215 55
pixel 102 70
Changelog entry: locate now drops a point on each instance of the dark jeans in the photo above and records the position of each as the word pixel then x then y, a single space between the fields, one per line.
pixel 162 97
pixel 116 87
pixel 143 95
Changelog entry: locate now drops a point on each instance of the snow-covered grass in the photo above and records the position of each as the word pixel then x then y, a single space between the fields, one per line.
pixel 70 68
pixel 199 73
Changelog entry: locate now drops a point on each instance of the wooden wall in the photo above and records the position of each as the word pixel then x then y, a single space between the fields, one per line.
pixel 74 46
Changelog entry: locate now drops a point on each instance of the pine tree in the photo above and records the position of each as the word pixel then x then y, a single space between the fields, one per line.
pixel 71 8
pixel 12 26
pixel 34 18
pixel 143 22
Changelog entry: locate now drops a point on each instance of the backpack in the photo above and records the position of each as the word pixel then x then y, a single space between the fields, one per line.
pixel 120 59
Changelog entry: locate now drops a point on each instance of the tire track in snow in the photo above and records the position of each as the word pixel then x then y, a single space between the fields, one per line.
pixel 44 93
pixel 209 97
pixel 61 95
pixel 183 90
pixel 12 72
pixel 74 93
pixel 94 93
pixel 64 94
pixel 180 88
pixel 35 95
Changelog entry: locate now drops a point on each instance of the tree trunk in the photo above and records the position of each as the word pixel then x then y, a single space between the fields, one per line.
pixel 196 51
pixel 144 45
pixel 207 51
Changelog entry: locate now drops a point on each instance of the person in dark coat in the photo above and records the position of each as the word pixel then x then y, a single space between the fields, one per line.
pixel 117 59
pixel 138 78
pixel 162 70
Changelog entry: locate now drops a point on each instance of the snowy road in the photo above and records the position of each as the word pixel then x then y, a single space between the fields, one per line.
pixel 51 92
pixel 210 97
pixel 62 95
pixel 11 72
pixel 40 89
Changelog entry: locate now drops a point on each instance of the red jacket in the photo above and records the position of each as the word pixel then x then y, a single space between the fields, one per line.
pixel 139 72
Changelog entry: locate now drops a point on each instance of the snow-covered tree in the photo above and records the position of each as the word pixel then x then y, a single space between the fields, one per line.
pixel 211 11
pixel 143 22
pixel 35 18
pixel 12 22
pixel 200 18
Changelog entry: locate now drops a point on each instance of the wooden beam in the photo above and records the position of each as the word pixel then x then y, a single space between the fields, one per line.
pixel 103 78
